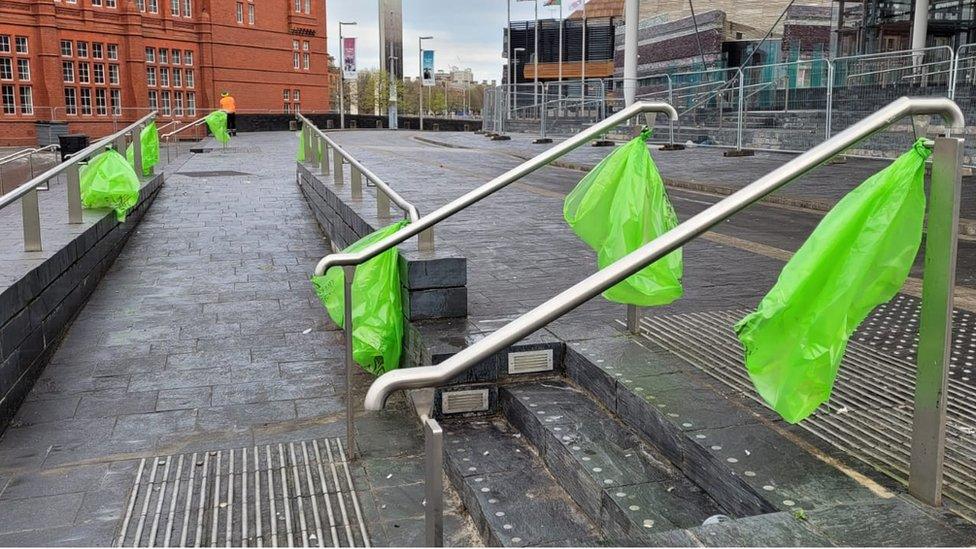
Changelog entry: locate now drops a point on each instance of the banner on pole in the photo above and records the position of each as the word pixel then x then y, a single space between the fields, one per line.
pixel 349 58
pixel 427 68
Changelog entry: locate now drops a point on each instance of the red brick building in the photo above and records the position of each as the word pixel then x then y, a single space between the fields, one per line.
pixel 97 64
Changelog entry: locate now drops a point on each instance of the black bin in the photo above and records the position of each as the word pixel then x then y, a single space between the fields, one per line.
pixel 72 143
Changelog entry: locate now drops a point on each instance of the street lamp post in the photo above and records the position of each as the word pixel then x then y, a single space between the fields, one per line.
pixel 516 58
pixel 342 77
pixel 392 109
pixel 420 94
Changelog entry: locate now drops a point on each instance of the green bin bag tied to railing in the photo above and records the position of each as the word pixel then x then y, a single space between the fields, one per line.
pixel 620 206
pixel 217 122
pixel 300 155
pixel 108 181
pixel 857 258
pixel 377 312
pixel 149 138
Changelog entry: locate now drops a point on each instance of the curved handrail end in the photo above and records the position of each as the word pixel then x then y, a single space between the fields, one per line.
pixel 335 260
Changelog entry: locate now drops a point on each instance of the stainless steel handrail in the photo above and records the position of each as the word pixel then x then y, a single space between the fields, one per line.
pixel 27 192
pixel 29 155
pixel 929 423
pixel 193 124
pixel 425 224
pixel 412 213
pixel 493 186
pixel 20 191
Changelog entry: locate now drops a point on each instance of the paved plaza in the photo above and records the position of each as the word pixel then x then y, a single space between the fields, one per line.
pixel 205 341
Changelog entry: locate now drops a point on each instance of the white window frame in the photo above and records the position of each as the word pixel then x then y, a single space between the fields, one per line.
pixel 21 65
pixel 114 74
pixel 26 107
pixel 18 40
pixel 68 76
pixel 239 13
pixel 70 101
pixel 8 68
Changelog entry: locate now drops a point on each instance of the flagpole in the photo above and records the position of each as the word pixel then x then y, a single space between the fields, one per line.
pixel 510 76
pixel 583 64
pixel 561 43
pixel 535 64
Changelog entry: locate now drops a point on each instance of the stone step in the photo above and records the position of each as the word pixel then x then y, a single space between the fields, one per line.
pixel 627 487
pixel 507 490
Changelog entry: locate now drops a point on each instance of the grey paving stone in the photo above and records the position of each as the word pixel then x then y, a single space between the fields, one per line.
pixel 891 522
pixel 39 513
pixel 183 399
pixel 65 480
pixel 777 529
pixel 45 411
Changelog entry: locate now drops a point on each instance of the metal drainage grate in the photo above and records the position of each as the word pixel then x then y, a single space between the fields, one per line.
pixel 214 173
pixel 300 493
pixel 869 414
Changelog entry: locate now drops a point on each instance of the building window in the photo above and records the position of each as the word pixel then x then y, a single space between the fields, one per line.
pixel 23 69
pixel 70 101
pixel 113 74
pixel 188 57
pixel 304 45
pixel 166 110
pixel 191 103
pixel 297 107
pixel 4 43
pixel 177 104
pixel 68 71
pixel 116 97
pixel 99 71
pixel 176 57
pixel 6 69
pixel 305 61
pixel 101 108
pixel 141 4
pixel 286 95
pixel 163 56
pixel 26 100
pixel 187 8
pixel 81 48
pixel 85 101
pixel 164 77
pixel 174 8
pixel 286 108
pixel 177 78
pixel 295 60
pixel 188 80
pixel 8 99
pixel 110 3
pixel 83 77
pixel 308 6
pixel 150 55
pixel 96 50
pixel 240 12
pixel 151 76
pixel 153 6
pixel 153 100
pixel 66 48
pixel 22 47
pixel 296 95
pixel 298 6
pixel 96 3
pixel 250 14
pixel 113 51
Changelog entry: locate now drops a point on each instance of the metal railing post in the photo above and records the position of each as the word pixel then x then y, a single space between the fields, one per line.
pixel 382 205
pixel 119 144
pixel 326 150
pixel 349 274
pixel 741 117
pixel 337 165
pixel 32 221
pixel 356 181
pixel 425 242
pixel 542 115
pixel 935 329
pixel 433 483
pixel 670 102
pixel 633 319
pixel 308 142
pixel 830 98
pixel 316 147
pixel 73 190
pixel 136 135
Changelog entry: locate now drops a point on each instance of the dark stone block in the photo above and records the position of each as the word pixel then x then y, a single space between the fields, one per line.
pixel 772 530
pixel 893 522
pixel 435 303
pixel 438 269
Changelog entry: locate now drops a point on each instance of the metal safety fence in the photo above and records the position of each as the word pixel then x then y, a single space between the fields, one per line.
pixel 790 106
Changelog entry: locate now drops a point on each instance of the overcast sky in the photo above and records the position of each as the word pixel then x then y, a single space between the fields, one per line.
pixel 467 33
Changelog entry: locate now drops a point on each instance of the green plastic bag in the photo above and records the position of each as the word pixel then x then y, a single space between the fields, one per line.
pixel 620 206
pixel 300 155
pixel 377 313
pixel 217 122
pixel 108 181
pixel 857 258
pixel 149 138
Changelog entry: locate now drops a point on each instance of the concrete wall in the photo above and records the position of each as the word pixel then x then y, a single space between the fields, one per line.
pixel 36 310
